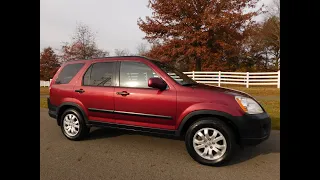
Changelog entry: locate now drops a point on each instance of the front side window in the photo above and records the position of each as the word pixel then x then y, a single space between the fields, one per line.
pixel 68 72
pixel 135 74
pixel 175 74
pixel 99 74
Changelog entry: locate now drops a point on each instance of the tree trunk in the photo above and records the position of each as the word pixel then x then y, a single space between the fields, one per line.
pixel 198 64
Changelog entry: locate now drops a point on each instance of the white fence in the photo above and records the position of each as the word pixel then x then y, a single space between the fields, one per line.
pixel 45 83
pixel 238 78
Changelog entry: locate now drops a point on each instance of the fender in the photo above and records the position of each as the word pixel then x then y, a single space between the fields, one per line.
pixel 205 111
pixel 215 106
pixel 82 111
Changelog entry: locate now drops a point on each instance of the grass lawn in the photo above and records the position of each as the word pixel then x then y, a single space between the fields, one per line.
pixel 273 109
pixel 257 90
pixel 43 102
pixel 44 91
pixel 272 106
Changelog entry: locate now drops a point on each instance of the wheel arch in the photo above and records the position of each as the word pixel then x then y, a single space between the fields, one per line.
pixel 193 117
pixel 66 105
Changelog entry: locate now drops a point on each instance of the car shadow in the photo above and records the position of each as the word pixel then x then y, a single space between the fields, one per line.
pixel 101 133
pixel 271 145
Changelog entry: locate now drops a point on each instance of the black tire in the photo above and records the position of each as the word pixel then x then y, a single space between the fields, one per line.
pixel 83 128
pixel 216 124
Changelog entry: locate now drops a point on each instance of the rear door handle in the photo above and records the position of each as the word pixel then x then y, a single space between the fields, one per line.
pixel 123 93
pixel 79 91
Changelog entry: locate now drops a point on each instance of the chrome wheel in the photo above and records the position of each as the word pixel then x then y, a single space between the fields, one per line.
pixel 71 125
pixel 209 143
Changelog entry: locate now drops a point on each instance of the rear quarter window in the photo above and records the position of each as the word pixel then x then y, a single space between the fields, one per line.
pixel 68 72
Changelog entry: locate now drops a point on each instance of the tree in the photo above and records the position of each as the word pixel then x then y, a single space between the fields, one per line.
pixel 49 64
pixel 252 54
pixel 142 49
pixel 122 52
pixel 82 46
pixel 273 9
pixel 208 33
pixel 271 39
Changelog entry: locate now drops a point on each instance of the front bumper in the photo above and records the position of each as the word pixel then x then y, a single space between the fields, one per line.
pixel 52 109
pixel 253 129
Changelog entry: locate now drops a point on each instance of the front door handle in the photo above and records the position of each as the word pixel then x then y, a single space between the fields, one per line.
pixel 79 91
pixel 123 93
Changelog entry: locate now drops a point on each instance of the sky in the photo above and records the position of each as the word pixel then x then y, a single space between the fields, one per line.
pixel 114 21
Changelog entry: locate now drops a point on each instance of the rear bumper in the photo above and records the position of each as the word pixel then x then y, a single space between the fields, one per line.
pixel 253 129
pixel 52 109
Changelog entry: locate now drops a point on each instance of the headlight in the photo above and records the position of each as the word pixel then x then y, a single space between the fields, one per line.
pixel 249 105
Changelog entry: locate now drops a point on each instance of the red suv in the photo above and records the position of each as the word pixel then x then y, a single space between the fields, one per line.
pixel 140 94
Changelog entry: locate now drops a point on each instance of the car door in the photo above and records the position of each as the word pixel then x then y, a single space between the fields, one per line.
pixel 96 91
pixel 139 105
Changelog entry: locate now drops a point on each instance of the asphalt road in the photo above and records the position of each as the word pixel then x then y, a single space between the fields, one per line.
pixel 112 154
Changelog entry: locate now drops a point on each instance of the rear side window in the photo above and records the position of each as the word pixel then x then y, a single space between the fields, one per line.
pixel 68 72
pixel 99 74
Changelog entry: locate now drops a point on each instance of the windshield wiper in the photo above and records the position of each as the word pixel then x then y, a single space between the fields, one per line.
pixel 104 81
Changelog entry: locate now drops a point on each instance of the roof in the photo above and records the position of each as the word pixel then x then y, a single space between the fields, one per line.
pixel 112 57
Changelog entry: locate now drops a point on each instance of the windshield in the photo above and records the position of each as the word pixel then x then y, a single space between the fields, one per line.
pixel 175 74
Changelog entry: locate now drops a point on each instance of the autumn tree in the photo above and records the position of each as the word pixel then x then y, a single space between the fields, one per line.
pixel 49 64
pixel 82 45
pixel 207 33
pixel 122 52
pixel 251 56
pixel 271 39
pixel 271 33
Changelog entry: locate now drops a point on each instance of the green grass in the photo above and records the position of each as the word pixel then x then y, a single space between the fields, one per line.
pixel 271 106
pixel 43 102
pixel 273 109
pixel 44 91
pixel 257 90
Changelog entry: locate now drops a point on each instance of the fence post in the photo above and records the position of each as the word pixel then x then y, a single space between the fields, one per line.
pixel 247 84
pixel 192 74
pixel 278 86
pixel 219 78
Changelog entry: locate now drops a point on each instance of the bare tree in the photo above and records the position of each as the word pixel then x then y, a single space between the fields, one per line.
pixel 142 49
pixel 82 46
pixel 273 9
pixel 122 52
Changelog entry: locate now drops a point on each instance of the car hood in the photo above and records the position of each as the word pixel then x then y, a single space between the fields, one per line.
pixel 221 90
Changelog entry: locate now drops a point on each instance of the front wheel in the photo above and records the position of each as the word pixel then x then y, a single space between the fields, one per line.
pixel 210 141
pixel 73 125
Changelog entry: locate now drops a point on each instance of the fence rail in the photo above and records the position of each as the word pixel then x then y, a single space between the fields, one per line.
pixel 45 83
pixel 237 78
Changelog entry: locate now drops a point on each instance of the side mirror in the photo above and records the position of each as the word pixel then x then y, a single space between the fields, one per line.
pixel 157 83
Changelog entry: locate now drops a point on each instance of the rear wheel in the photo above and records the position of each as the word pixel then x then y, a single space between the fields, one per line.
pixel 210 141
pixel 73 125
